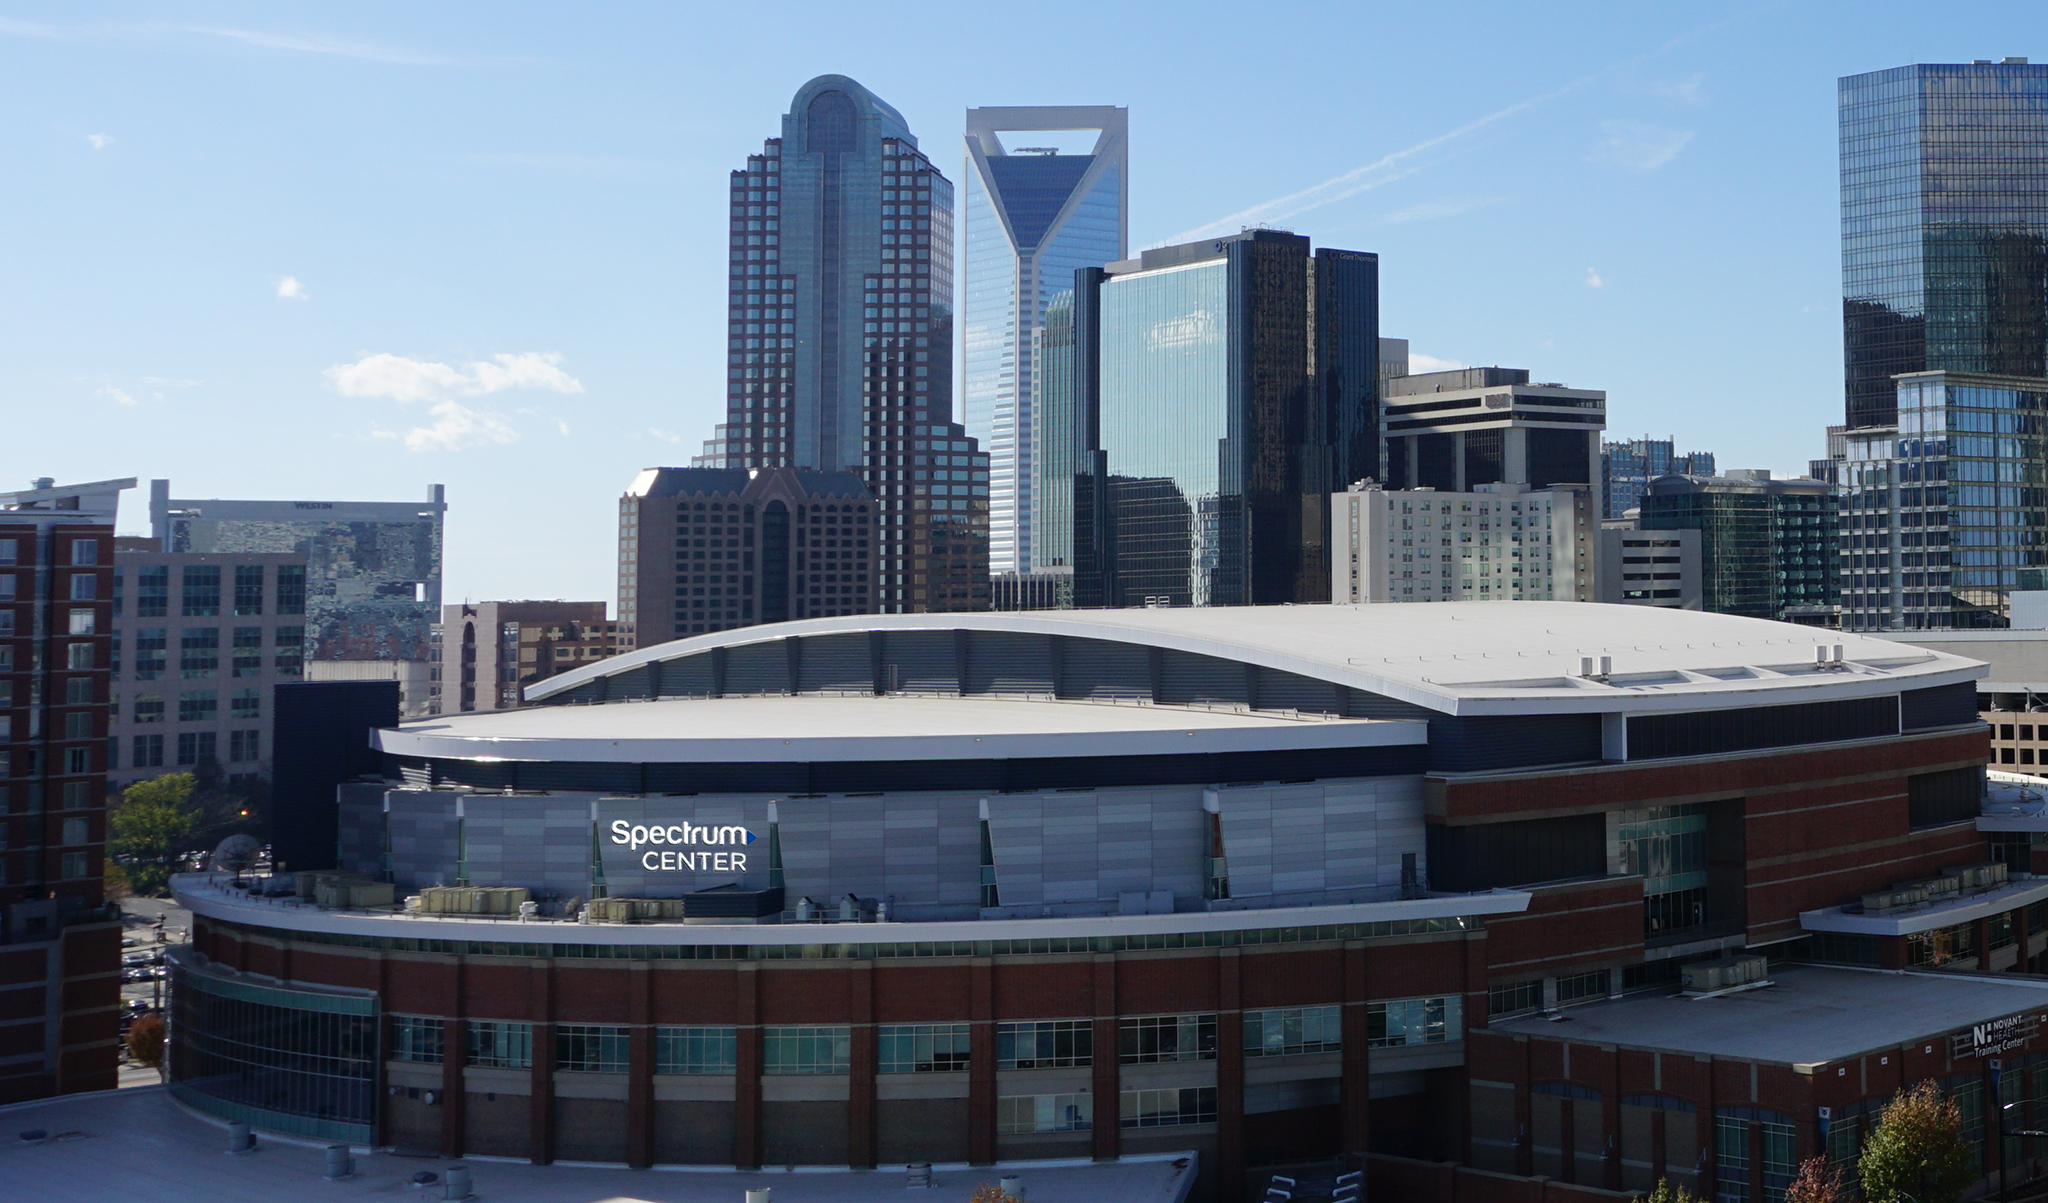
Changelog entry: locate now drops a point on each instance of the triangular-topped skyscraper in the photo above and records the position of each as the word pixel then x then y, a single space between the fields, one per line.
pixel 1034 215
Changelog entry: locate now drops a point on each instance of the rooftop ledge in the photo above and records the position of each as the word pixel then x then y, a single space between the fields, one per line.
pixel 1946 913
pixel 208 895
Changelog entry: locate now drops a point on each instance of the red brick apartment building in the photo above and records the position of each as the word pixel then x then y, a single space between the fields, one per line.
pixel 60 945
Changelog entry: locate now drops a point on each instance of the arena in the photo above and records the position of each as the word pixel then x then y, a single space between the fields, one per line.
pixel 979 888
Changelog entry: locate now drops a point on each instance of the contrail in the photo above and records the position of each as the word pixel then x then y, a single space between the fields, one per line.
pixel 1363 179
pixel 1382 171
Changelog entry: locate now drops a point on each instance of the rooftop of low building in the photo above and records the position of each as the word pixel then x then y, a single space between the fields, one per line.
pixel 1811 1015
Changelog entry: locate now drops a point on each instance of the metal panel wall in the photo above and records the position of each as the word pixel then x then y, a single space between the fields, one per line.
pixel 920 662
pixel 1098 668
pixel 1186 678
pixel 757 668
pixel 1337 835
pixel 1010 664
pixel 836 664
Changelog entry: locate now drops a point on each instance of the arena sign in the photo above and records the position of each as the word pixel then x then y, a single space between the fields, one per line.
pixel 683 847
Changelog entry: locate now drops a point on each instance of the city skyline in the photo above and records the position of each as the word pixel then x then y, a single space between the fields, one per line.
pixel 541 299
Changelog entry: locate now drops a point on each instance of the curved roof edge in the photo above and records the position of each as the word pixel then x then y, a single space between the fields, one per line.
pixel 198 894
pixel 1649 676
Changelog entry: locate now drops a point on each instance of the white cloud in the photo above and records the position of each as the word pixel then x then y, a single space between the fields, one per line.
pixel 1419 363
pixel 120 395
pixel 530 370
pixel 1638 145
pixel 1593 279
pixel 289 289
pixel 562 426
pixel 664 435
pixel 1449 206
pixel 455 425
pixel 99 141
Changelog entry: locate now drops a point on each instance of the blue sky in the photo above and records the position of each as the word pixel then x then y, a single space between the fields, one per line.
pixel 343 251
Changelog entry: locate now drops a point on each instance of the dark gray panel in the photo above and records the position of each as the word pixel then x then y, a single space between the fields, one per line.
pixel 1364 704
pixel 836 664
pixel 1098 668
pixel 633 683
pixel 1185 677
pixel 1943 706
pixel 757 668
pixel 920 662
pixel 1003 662
pixel 688 677
pixel 1479 743
pixel 1290 691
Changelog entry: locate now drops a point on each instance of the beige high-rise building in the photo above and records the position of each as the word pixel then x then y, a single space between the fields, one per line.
pixel 485 653
pixel 709 549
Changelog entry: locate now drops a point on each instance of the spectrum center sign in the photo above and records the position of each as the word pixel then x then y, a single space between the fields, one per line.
pixel 680 847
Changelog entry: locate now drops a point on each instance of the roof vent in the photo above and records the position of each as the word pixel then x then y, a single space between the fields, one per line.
pixel 2010 61
pixel 1596 668
pixel 1826 656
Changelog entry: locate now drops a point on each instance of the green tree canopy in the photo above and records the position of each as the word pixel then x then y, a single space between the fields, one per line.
pixel 1917 1150
pixel 154 818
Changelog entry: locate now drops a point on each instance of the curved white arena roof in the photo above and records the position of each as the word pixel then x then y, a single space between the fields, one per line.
pixel 769 730
pixel 1458 658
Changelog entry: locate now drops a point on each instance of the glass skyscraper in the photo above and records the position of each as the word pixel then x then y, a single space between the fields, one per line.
pixel 1944 225
pixel 1766 546
pixel 840 348
pixel 1212 394
pixel 1945 340
pixel 1034 216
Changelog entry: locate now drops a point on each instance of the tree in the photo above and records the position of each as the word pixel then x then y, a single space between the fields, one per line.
pixel 1819 1181
pixel 146 1040
pixel 1917 1150
pixel 1667 1193
pixel 150 826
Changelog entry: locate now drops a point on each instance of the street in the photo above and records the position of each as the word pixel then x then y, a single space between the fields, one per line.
pixel 139 918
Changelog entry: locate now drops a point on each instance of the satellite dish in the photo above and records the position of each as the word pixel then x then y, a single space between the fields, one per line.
pixel 236 853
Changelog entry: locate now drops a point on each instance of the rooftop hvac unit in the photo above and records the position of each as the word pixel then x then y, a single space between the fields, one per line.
pixel 1896 898
pixel 1725 973
pixel 1985 875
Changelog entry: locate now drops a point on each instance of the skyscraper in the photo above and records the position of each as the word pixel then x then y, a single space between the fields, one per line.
pixel 1766 546
pixel 1219 388
pixel 1944 225
pixel 59 992
pixel 1034 217
pixel 1945 341
pixel 840 355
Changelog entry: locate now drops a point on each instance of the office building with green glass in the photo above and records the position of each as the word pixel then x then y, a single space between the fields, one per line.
pixel 1215 394
pixel 1945 340
pixel 1766 546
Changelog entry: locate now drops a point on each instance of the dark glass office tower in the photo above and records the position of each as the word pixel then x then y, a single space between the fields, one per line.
pixel 840 348
pixel 1766 546
pixel 1220 389
pixel 1944 226
pixel 1945 338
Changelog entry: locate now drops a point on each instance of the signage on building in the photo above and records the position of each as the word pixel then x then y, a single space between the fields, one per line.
pixel 683 847
pixel 1995 1037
